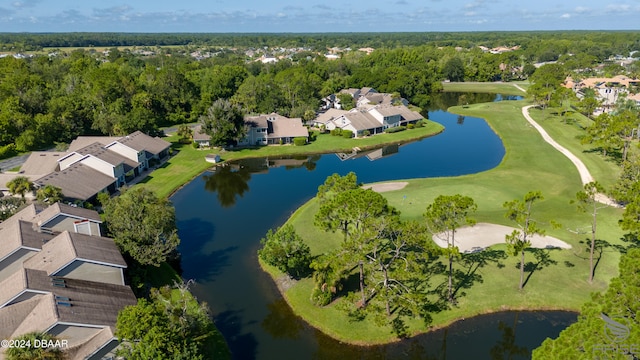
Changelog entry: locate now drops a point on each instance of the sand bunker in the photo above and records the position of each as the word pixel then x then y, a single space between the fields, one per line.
pixel 387 186
pixel 482 235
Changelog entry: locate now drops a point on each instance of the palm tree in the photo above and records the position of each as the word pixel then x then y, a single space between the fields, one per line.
pixel 49 194
pixel 35 352
pixel 20 185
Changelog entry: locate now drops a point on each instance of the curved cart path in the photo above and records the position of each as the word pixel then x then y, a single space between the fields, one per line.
pixel 585 175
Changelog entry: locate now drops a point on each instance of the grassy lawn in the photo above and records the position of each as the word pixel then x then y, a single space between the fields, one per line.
pixel 189 162
pixel 567 131
pixel 529 164
pixel 494 88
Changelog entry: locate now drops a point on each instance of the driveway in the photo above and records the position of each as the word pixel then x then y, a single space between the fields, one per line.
pixel 8 164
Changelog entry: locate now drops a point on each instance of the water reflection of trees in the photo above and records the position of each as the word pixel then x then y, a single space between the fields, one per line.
pixel 228 184
pixel 281 322
pixel 506 347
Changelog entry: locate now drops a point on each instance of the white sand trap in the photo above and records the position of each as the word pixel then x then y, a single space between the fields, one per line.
pixel 482 235
pixel 387 186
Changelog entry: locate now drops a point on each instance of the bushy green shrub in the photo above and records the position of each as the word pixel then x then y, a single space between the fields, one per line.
pixel 347 134
pixel 395 129
pixel 195 145
pixel 321 298
pixel 366 133
pixel 410 126
pixel 420 123
pixel 7 151
pixel 336 132
pixel 299 141
pixel 286 250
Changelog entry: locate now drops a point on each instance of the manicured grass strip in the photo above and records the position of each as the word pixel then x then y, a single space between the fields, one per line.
pixel 326 143
pixel 483 87
pixel 567 131
pixel 189 162
pixel 560 279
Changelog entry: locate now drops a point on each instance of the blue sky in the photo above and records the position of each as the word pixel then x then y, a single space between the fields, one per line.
pixel 316 15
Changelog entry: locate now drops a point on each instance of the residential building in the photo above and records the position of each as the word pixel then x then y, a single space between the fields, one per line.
pixel 95 164
pixel 58 275
pixel 272 129
pixel 200 137
pixel 263 130
pixel 372 120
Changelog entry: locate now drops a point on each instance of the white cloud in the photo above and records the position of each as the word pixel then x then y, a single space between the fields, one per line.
pixel 25 3
pixel 582 10
pixel 617 8
pixel 565 16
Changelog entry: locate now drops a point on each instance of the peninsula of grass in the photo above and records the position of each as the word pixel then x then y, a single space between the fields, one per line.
pixel 556 279
pixel 485 87
pixel 187 163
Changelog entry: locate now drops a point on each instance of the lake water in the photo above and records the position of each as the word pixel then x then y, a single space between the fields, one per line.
pixel 222 216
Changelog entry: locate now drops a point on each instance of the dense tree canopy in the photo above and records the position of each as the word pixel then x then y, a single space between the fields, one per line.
pixel 171 325
pixel 607 327
pixel 286 250
pixel 142 225
pixel 56 97
pixel 224 122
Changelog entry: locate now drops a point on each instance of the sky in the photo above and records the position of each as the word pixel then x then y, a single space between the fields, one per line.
pixel 316 15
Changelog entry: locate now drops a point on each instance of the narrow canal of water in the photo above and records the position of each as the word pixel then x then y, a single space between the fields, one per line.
pixel 223 215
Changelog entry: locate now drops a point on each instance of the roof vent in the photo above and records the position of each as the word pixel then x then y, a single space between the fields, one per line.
pixel 59 282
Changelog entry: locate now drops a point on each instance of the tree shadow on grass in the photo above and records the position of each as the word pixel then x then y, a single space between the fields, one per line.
pixel 543 260
pixel 468 276
pixel 630 242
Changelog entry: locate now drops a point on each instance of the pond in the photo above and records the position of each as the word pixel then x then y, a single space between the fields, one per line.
pixel 223 214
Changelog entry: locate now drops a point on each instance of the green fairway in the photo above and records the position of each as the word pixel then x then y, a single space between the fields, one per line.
pixel 567 130
pixel 559 282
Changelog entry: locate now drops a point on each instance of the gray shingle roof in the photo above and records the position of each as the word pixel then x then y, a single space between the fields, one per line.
pixel 113 158
pixel 67 247
pixel 200 136
pixel 78 181
pixel 42 162
pixel 284 127
pixel 141 141
pixel 92 303
pixel 82 141
pixel 329 115
pixel 20 233
pixel 362 121
pixel 60 208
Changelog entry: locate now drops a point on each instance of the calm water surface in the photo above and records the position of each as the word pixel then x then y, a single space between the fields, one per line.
pixel 223 215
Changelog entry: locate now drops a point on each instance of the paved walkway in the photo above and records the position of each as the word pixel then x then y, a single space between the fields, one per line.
pixel 520 88
pixel 585 175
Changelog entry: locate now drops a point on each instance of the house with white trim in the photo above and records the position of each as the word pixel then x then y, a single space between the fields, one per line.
pixel 95 164
pixel 372 120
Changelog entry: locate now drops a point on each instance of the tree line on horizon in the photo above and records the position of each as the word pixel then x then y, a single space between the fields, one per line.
pixel 49 99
